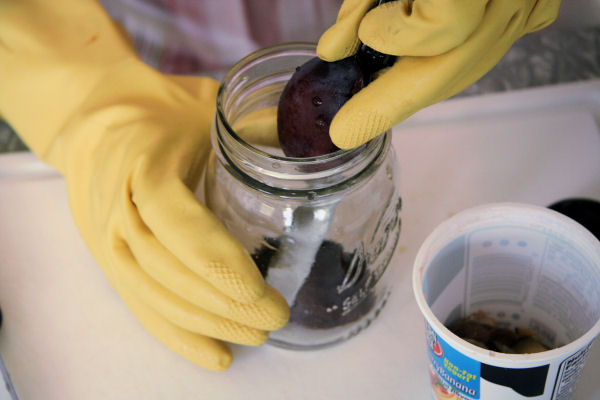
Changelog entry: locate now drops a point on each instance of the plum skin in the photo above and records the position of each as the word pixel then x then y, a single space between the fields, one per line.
pixel 310 100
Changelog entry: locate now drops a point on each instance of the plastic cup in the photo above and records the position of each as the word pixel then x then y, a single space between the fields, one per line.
pixel 525 266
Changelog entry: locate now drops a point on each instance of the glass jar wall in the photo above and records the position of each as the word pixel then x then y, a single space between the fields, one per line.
pixel 321 230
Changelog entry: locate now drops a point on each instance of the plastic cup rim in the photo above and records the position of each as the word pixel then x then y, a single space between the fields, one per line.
pixel 475 352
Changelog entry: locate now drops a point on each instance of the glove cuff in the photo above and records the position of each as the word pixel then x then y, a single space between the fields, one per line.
pixel 52 55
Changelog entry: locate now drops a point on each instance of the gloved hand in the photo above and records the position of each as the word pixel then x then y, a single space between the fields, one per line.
pixel 444 46
pixel 131 144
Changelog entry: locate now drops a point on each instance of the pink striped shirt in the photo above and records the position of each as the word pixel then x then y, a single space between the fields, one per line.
pixel 208 36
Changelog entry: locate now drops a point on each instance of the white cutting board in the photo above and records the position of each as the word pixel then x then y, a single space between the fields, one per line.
pixel 66 334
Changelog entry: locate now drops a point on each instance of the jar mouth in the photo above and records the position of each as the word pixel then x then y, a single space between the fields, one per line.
pixel 235 77
pixel 258 151
pixel 256 82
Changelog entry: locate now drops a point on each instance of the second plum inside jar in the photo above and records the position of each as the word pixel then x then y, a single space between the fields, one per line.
pixel 321 230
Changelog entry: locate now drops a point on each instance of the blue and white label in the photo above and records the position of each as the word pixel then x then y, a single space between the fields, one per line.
pixel 452 373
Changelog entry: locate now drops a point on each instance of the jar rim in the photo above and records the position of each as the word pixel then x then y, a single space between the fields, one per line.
pixel 249 160
pixel 251 59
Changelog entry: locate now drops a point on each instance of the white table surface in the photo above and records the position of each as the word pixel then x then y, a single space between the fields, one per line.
pixel 66 334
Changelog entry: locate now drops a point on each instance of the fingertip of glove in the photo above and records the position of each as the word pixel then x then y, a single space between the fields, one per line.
pixel 206 352
pixel 331 48
pixel 245 289
pixel 217 359
pixel 241 334
pixel 220 363
pixel 271 312
pixel 260 318
pixel 352 129
pixel 282 314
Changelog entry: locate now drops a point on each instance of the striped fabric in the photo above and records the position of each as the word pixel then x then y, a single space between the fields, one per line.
pixel 208 36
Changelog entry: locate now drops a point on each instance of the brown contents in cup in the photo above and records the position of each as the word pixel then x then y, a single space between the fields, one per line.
pixel 481 330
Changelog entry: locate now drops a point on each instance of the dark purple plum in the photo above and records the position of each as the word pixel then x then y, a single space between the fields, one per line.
pixel 315 93
pixel 310 100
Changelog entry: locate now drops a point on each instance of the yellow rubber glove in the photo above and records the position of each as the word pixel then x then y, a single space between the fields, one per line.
pixel 131 144
pixel 444 46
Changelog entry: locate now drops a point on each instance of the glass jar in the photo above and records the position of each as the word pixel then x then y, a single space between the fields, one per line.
pixel 321 230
